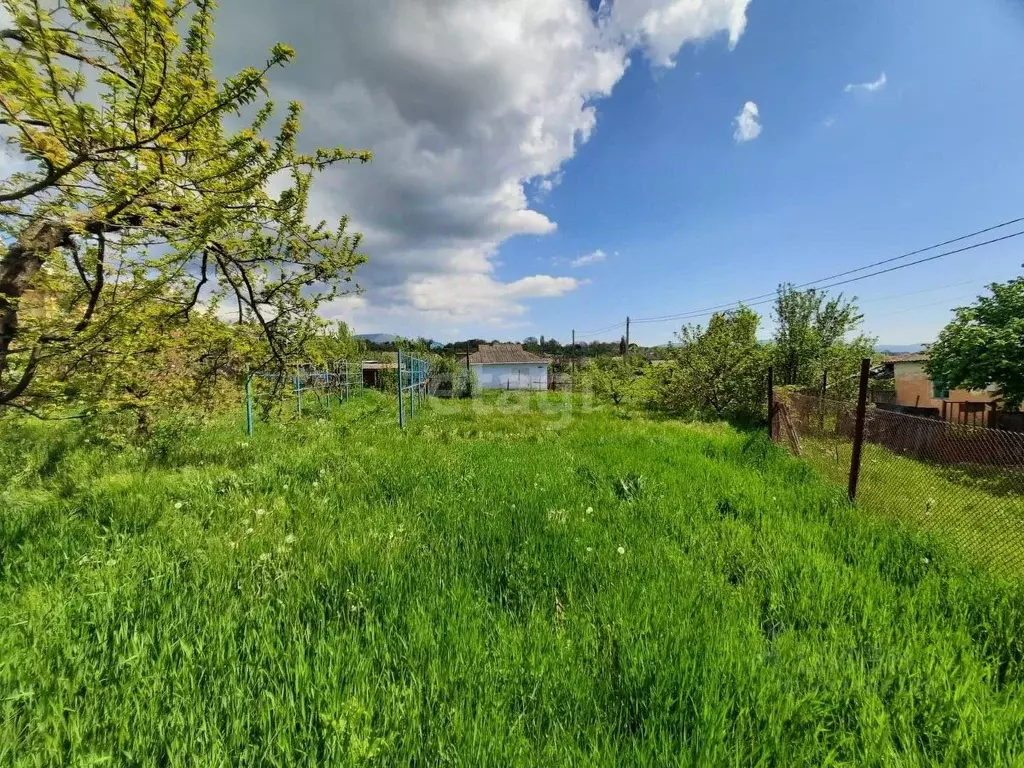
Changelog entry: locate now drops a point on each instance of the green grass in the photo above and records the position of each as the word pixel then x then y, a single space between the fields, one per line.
pixel 505 583
pixel 979 512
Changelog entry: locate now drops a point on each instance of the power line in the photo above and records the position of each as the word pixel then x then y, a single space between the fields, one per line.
pixel 755 300
pixel 580 334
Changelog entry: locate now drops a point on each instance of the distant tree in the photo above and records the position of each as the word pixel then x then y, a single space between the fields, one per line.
pixel 811 333
pixel 541 343
pixel 984 345
pixel 332 344
pixel 718 370
pixel 622 347
pixel 138 209
pixel 616 379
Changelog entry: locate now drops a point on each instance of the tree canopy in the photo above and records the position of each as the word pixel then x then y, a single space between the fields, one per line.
pixel 984 344
pixel 135 208
pixel 811 338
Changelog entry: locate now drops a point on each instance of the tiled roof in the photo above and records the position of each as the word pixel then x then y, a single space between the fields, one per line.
pixel 909 357
pixel 499 354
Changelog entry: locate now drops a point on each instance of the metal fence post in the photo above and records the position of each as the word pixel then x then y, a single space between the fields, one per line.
pixel 401 415
pixel 858 433
pixel 248 404
pixel 821 405
pixel 771 403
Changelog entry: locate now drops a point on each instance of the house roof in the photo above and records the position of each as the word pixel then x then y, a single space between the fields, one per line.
pixel 501 354
pixel 909 357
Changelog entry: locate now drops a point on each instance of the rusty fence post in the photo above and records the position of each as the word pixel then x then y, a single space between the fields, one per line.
pixel 771 403
pixel 858 432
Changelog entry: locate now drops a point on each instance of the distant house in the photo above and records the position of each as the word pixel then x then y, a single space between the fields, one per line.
pixel 914 387
pixel 378 373
pixel 509 366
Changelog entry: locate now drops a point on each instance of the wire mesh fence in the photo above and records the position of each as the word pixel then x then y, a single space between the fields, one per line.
pixel 961 481
pixel 303 388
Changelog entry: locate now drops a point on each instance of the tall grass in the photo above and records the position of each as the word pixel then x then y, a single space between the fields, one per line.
pixel 506 583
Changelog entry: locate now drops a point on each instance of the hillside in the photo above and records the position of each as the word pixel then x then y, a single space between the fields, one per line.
pixel 506 583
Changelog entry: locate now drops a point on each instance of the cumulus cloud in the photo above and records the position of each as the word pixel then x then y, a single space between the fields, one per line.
pixel 871 87
pixel 748 127
pixel 465 104
pixel 589 258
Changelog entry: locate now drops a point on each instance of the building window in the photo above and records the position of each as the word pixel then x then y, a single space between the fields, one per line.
pixel 938 392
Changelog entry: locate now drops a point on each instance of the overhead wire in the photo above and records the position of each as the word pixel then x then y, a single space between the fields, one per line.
pixel 769 297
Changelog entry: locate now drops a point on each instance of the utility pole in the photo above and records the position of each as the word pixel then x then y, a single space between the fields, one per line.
pixel 627 334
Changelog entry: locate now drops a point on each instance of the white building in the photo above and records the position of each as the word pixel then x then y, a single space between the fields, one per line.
pixel 509 366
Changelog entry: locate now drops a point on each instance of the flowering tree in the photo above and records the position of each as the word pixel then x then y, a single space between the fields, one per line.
pixel 134 208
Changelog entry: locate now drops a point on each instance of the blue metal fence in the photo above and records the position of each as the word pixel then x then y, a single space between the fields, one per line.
pixel 413 373
pixel 321 384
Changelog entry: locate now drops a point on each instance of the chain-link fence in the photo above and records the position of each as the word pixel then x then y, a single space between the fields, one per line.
pixel 964 482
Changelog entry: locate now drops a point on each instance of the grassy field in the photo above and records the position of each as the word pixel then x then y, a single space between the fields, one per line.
pixel 507 583
pixel 975 512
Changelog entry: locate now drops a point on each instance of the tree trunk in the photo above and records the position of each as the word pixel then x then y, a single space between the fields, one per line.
pixel 17 268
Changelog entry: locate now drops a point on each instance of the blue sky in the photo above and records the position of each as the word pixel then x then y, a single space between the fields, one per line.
pixel 515 140
pixel 689 218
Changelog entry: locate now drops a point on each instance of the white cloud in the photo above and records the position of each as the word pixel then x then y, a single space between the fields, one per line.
pixel 871 87
pixel 465 104
pixel 589 258
pixel 747 126
pixel 662 27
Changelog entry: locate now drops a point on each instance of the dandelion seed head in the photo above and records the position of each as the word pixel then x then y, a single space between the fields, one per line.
pixel 178 505
pixel 622 550
pixel 260 512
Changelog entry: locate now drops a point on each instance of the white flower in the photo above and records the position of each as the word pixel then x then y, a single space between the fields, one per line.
pixel 248 530
pixel 243 445
pixel 260 512
pixel 264 557
pixel 246 522
pixel 111 562
pixel 925 560
pixel 590 549
pixel 290 539
pixel 233 544
pixel 622 550
pixel 590 510
pixel 316 484
pixel 178 505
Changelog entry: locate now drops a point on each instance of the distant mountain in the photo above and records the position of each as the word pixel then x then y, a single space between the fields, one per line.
pixel 376 338
pixel 899 349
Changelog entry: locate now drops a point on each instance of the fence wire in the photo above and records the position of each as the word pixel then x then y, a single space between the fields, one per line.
pixel 961 481
pixel 302 388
